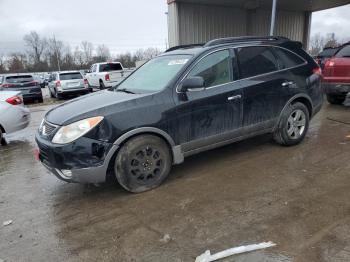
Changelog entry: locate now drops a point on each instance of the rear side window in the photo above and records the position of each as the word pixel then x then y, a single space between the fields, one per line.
pixel 344 52
pixel 287 59
pixel 19 79
pixel 255 61
pixel 214 68
pixel 70 76
pixel 110 67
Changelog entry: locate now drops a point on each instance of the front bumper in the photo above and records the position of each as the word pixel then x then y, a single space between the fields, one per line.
pixel 83 161
pixel 336 88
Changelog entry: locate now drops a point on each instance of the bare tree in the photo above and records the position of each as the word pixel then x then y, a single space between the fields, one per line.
pixel 102 53
pixel 55 53
pixel 2 64
pixel 36 46
pixel 17 63
pixel 87 49
pixel 79 57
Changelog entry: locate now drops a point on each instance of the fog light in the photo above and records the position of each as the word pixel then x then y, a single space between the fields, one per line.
pixel 67 174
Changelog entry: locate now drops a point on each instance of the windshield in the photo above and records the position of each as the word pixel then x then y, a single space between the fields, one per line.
pixel 71 76
pixel 155 74
pixel 19 79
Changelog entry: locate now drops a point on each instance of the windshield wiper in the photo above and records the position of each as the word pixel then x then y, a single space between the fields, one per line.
pixel 125 90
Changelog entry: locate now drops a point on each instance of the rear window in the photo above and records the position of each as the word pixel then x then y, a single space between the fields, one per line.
pixel 328 52
pixel 70 76
pixel 110 67
pixel 344 52
pixel 287 59
pixel 255 61
pixel 19 79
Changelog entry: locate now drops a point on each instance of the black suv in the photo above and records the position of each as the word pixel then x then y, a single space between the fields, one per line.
pixel 185 101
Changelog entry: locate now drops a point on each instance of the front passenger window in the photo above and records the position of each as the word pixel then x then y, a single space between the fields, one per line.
pixel 214 68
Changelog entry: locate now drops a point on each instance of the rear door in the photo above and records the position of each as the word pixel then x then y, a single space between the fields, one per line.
pixel 263 84
pixel 209 116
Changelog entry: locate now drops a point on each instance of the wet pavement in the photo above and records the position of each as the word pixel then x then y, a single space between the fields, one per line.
pixel 244 193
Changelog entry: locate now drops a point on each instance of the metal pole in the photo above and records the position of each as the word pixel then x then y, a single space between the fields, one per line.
pixel 273 17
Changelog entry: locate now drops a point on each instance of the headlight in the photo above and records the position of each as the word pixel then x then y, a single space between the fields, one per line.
pixel 69 133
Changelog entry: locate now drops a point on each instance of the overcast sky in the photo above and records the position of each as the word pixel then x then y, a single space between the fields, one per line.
pixel 122 25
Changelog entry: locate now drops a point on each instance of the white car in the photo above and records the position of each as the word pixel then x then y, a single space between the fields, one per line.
pixel 13 115
pixel 108 74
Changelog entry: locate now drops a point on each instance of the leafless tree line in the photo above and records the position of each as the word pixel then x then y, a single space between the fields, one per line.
pixel 319 42
pixel 50 54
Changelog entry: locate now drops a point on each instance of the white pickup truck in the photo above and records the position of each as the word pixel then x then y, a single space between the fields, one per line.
pixel 107 74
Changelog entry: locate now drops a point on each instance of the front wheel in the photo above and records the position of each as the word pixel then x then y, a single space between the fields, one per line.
pixel 293 125
pixel 143 163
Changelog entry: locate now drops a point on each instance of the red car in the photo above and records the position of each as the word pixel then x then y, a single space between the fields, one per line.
pixel 336 75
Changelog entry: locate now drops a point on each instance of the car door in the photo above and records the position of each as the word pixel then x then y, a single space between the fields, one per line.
pixel 262 82
pixel 210 115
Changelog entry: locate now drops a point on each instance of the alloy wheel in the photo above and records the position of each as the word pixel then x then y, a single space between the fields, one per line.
pixel 296 124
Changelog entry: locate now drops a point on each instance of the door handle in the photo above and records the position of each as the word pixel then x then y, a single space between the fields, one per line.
pixel 230 98
pixel 287 83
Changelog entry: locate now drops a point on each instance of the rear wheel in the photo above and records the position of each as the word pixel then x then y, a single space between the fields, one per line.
pixel 293 125
pixel 142 163
pixel 336 99
pixel 41 99
pixel 102 85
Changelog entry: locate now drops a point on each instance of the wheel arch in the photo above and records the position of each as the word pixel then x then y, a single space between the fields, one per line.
pixel 302 98
pixel 176 153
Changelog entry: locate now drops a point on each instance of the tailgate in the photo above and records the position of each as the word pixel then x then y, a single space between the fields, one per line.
pixel 116 75
pixel 337 70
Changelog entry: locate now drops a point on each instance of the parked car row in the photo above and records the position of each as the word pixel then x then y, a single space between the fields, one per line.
pixel 25 83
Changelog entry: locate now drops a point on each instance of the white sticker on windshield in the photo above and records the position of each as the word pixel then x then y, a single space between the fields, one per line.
pixel 178 62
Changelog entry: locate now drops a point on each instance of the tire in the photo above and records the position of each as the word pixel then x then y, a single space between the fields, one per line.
pixel 293 125
pixel 41 99
pixel 102 85
pixel 2 139
pixel 336 99
pixel 51 95
pixel 142 163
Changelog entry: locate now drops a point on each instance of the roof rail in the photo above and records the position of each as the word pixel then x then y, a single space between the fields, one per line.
pixel 183 47
pixel 229 40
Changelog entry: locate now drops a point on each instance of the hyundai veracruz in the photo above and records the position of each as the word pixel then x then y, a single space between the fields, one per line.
pixel 185 101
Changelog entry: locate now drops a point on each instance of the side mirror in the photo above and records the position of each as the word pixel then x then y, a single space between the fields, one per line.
pixel 195 83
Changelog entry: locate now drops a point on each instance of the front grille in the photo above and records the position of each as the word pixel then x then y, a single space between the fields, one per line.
pixel 47 128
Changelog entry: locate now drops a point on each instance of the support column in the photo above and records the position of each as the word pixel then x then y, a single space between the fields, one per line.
pixel 273 17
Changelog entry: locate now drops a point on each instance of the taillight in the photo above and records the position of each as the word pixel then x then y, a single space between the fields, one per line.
pixel 317 71
pixel 86 83
pixel 107 77
pixel 8 85
pixel 58 83
pixel 35 83
pixel 329 63
pixel 15 100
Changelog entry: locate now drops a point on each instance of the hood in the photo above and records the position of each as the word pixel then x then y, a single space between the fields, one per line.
pixel 95 104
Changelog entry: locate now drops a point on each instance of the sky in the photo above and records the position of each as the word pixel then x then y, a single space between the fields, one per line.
pixel 122 25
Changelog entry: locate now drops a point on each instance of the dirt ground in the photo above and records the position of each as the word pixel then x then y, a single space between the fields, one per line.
pixel 248 192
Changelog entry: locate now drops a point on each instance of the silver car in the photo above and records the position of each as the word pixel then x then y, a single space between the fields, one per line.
pixel 13 115
pixel 66 83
